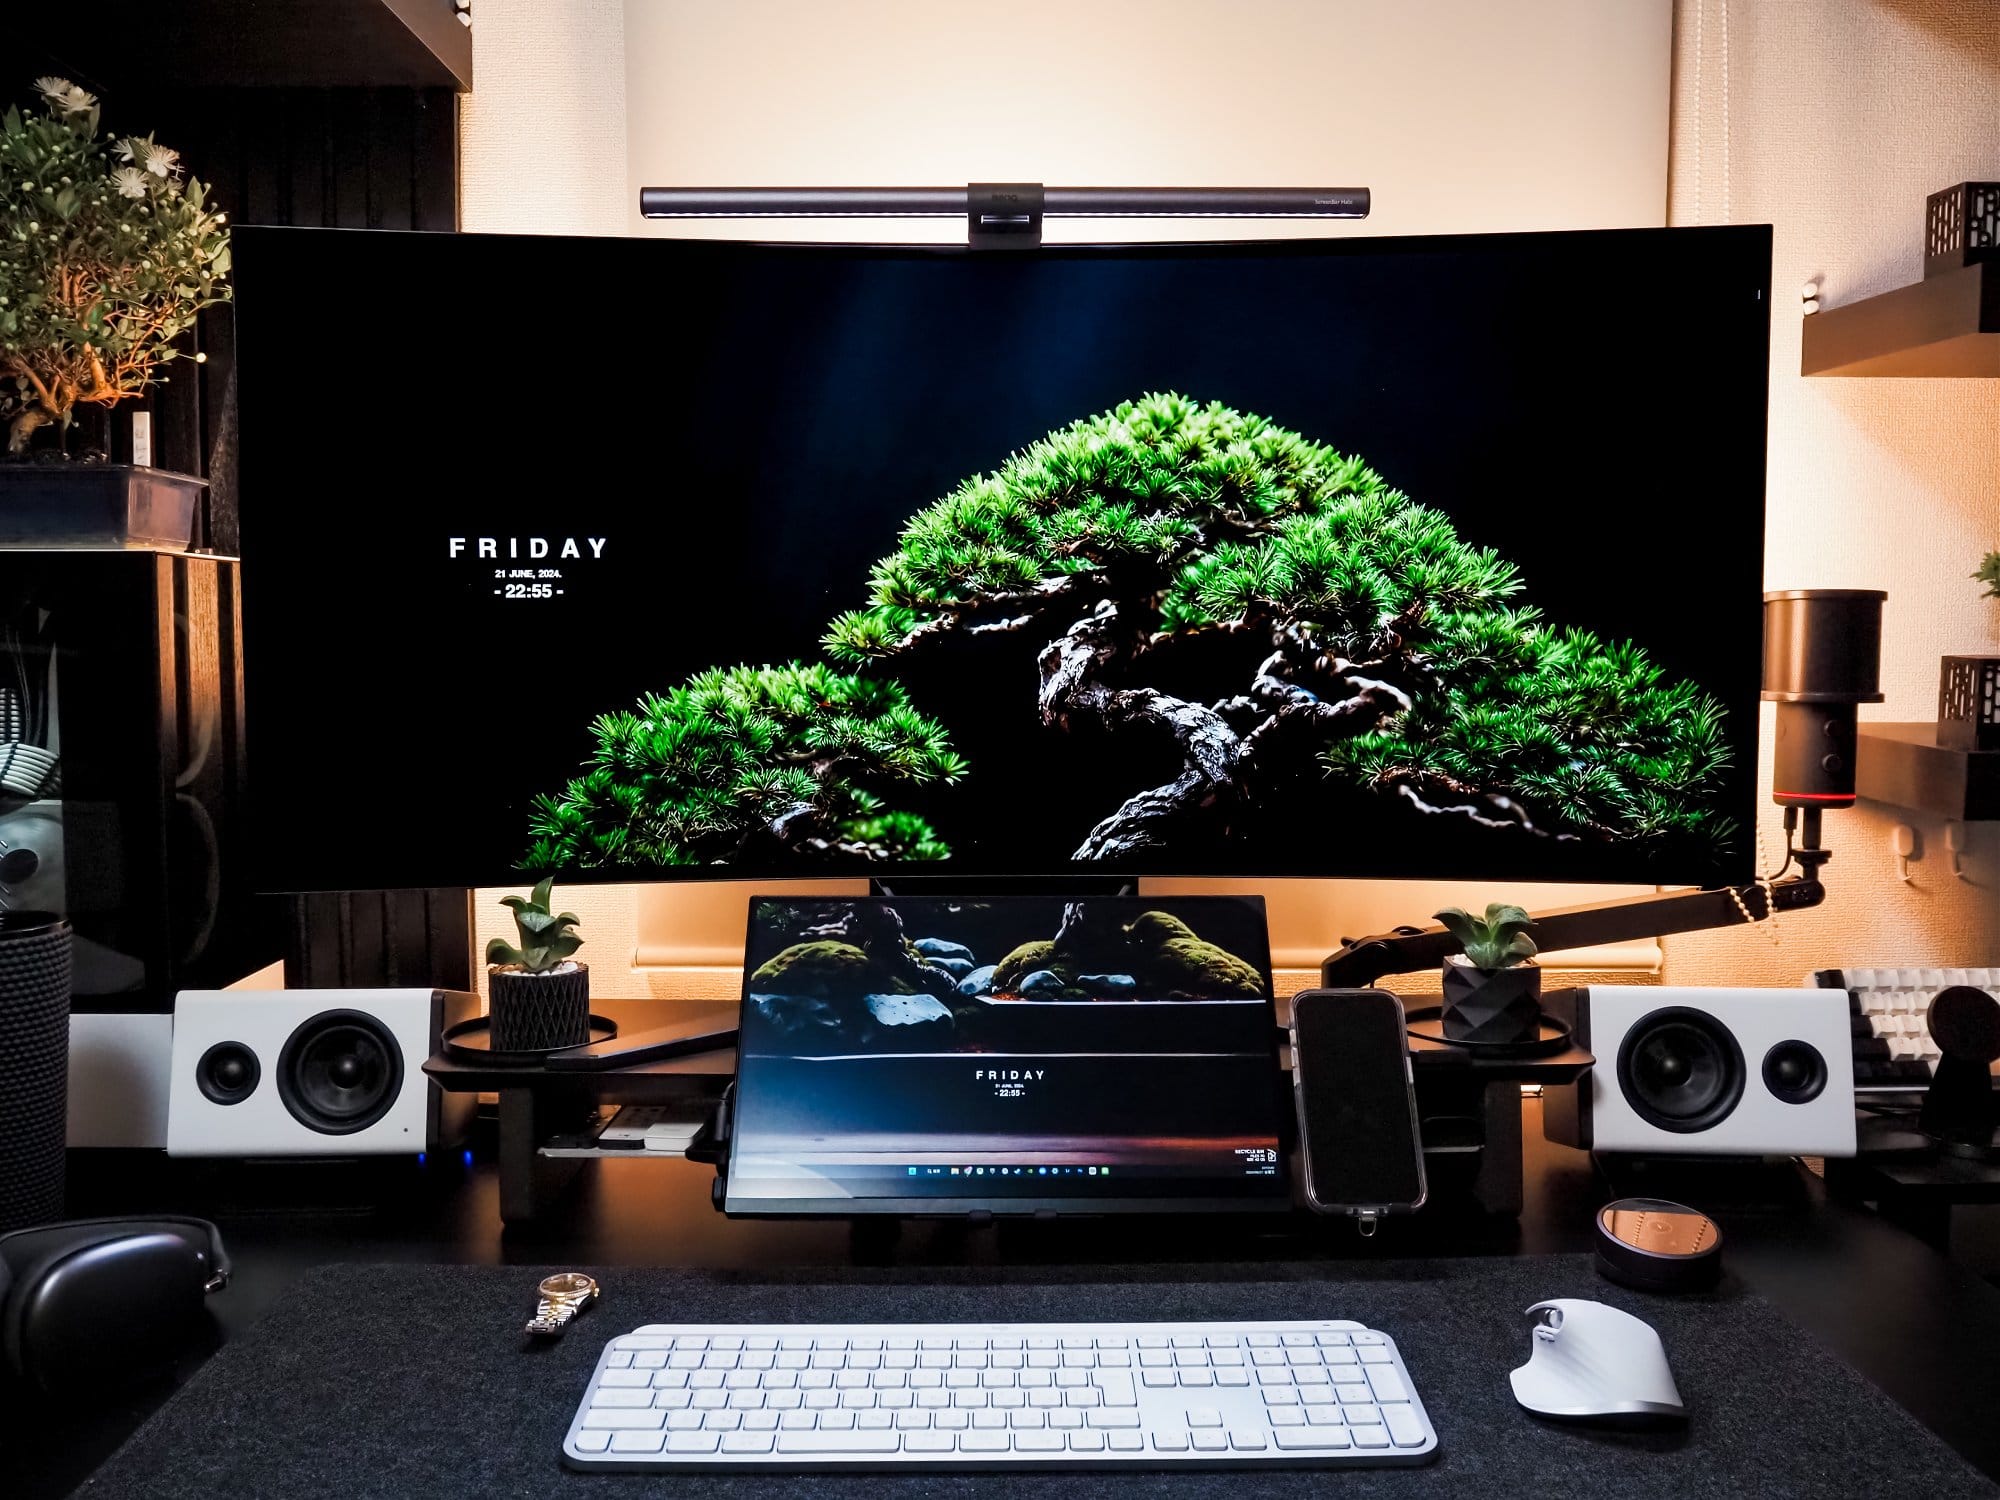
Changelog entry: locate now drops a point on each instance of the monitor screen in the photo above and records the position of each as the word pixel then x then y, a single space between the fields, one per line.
pixel 634 559
pixel 930 1055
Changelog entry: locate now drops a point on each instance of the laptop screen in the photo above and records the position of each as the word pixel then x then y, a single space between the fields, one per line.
pixel 1015 1054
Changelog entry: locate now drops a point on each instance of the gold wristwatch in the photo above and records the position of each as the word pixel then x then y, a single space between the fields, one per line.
pixel 563 1295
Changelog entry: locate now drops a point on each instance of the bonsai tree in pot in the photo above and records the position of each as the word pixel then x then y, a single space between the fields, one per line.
pixel 1493 989
pixel 107 253
pixel 539 994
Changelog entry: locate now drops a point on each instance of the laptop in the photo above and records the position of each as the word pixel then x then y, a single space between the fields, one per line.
pixel 1007 1055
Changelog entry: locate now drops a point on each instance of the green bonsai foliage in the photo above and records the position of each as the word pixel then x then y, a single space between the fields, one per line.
pixel 106 255
pixel 547 940
pixel 1989 574
pixel 1388 652
pixel 783 759
pixel 1499 940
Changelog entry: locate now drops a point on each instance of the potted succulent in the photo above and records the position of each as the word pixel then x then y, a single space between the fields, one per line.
pixel 1493 989
pixel 539 996
pixel 107 253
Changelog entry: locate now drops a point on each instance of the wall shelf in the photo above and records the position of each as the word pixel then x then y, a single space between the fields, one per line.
pixel 145 46
pixel 1903 765
pixel 1944 325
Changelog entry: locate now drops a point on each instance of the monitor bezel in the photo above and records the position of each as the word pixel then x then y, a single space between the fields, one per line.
pixel 1280 1199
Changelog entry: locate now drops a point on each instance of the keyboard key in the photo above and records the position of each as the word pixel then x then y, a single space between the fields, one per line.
pixel 1065 1417
pixel 623 1379
pixel 1373 1435
pixel 1248 1439
pixel 637 1442
pixel 748 1442
pixel 984 1442
pixel 1387 1384
pixel 1116 1387
pixel 1022 1419
pixel 1204 1416
pixel 721 1421
pixel 600 1420
pixel 1170 1442
pixel 839 1442
pixel 616 1399
pixel 1404 1428
pixel 929 1442
pixel 1291 1439
pixel 1104 1417
pixel 1207 1441
pixel 1285 1416
pixel 693 1442
pixel 591 1442
pixel 1232 1377
pixel 1086 1442
pixel 873 1421
pixel 1126 1442
pixel 1039 1442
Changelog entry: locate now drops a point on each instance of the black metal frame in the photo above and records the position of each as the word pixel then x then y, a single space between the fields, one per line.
pixel 1360 962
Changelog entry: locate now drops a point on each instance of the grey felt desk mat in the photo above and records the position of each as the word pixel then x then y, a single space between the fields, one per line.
pixel 415 1381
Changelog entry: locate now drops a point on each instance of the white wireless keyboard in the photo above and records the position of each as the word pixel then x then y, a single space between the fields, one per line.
pixel 899 1397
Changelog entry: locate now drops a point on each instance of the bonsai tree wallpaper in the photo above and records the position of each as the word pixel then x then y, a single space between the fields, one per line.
pixel 1278 623
pixel 1234 560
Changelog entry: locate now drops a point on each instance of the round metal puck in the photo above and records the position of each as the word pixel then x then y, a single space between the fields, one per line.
pixel 1652 1245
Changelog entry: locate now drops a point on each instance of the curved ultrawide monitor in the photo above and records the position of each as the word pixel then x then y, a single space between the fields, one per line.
pixel 641 559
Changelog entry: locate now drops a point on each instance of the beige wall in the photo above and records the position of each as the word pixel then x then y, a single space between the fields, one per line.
pixel 1831 120
pixel 1461 114
pixel 542 136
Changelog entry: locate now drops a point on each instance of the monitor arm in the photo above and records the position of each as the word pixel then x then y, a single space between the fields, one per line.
pixel 1360 962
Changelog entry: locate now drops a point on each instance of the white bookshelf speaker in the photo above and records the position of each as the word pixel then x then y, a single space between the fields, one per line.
pixel 1706 1072
pixel 281 1073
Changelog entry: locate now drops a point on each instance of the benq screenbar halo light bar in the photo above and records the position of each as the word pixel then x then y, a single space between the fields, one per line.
pixel 1001 215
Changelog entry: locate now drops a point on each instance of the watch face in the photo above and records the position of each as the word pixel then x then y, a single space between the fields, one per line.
pixel 568 1284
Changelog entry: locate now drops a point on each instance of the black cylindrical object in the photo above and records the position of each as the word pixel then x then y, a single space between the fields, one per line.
pixel 34 1065
pixel 1822 655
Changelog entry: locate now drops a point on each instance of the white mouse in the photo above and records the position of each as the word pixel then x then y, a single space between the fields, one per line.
pixel 1590 1360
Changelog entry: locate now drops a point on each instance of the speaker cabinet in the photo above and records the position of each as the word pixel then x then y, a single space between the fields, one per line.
pixel 1707 1072
pixel 271 1073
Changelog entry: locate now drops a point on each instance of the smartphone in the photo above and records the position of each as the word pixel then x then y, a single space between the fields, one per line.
pixel 1357 1105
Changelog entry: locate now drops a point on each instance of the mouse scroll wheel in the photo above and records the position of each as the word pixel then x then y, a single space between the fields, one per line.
pixel 1551 1324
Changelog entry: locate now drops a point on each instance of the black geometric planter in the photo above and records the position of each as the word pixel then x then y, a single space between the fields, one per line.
pixel 1491 1005
pixel 539 1012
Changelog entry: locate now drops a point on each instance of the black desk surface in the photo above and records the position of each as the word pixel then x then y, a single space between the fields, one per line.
pixel 1922 1330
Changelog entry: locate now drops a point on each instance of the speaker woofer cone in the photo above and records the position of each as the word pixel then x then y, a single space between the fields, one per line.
pixel 340 1072
pixel 227 1073
pixel 1795 1071
pixel 1681 1070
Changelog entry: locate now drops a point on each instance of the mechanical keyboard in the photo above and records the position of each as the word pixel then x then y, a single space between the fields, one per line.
pixel 1893 1048
pixel 899 1397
